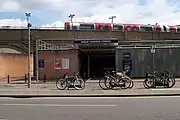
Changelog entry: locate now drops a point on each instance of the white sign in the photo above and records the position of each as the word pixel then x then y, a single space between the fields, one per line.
pixel 153 50
pixel 65 63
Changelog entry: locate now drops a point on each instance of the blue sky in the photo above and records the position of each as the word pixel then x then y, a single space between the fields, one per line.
pixel 55 12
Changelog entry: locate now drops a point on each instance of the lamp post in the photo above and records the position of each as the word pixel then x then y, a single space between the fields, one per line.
pixel 112 18
pixel 28 15
pixel 71 16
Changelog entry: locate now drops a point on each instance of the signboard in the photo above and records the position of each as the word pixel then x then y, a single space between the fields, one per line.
pixel 127 55
pixel 95 41
pixel 57 63
pixel 127 66
pixel 65 63
pixel 153 51
pixel 41 63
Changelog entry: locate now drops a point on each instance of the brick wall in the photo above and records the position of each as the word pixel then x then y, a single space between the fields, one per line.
pixel 50 56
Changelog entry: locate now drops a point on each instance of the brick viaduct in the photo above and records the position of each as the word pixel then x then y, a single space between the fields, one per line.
pixel 17 38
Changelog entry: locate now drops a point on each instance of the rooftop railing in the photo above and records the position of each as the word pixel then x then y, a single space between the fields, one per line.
pixel 34 27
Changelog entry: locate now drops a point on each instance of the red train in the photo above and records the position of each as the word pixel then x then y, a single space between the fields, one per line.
pixel 121 27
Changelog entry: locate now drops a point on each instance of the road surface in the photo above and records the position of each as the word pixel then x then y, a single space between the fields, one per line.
pixel 147 108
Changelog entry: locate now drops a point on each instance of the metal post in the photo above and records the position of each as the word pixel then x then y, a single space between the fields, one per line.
pixel 112 18
pixel 71 16
pixel 28 15
pixel 88 66
pixel 153 62
pixel 37 61
pixel 153 52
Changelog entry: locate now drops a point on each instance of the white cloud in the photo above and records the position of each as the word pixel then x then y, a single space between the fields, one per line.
pixel 126 11
pixel 58 25
pixel 10 6
pixel 13 22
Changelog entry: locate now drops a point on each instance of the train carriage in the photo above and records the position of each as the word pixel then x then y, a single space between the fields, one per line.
pixel 121 27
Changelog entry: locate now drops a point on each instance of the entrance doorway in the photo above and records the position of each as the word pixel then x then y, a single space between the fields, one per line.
pixel 94 63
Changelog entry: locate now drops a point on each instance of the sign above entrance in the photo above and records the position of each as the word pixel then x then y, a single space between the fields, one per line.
pixel 95 41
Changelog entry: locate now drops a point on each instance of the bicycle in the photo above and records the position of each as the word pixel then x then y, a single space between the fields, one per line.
pixel 155 79
pixel 119 79
pixel 74 81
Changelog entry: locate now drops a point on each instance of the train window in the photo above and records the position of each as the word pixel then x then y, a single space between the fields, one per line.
pixel 146 28
pixel 74 27
pixel 134 28
pixel 158 29
pixel 101 27
pixel 178 29
pixel 118 27
pixel 86 26
pixel 106 27
pixel 128 28
pixel 171 29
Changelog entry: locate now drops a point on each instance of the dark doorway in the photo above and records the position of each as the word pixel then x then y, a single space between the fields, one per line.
pixel 93 63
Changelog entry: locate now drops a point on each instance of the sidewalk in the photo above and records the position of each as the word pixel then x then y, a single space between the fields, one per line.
pixel 91 90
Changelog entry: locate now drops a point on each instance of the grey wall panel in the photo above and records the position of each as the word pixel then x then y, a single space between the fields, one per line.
pixel 142 60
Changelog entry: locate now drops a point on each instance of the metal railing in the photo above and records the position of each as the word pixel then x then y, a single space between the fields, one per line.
pixel 149 46
pixel 33 27
pixel 43 45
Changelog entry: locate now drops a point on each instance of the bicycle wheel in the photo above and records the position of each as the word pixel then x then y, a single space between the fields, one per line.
pixel 61 84
pixel 102 83
pixel 171 82
pixel 109 83
pixel 131 85
pixel 144 84
pixel 149 83
pixel 79 84
pixel 126 83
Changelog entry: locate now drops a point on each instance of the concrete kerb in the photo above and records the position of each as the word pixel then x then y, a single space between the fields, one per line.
pixel 89 95
pixel 88 81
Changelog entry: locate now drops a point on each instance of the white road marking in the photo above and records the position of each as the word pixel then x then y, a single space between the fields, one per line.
pixel 83 98
pixel 59 105
pixel 166 89
pixel 152 97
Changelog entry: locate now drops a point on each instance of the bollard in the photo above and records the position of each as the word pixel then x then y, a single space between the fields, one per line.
pixel 8 79
pixel 25 78
pixel 44 78
pixel 84 75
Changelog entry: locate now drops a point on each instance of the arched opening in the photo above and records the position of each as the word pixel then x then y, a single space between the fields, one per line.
pixel 9 51
pixel 14 62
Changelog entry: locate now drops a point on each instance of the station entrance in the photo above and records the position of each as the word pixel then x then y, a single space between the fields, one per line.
pixel 94 62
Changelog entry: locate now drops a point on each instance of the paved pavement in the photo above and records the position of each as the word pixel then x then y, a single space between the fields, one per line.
pixel 149 108
pixel 91 89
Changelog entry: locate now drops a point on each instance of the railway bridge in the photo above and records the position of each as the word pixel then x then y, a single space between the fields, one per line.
pixel 57 40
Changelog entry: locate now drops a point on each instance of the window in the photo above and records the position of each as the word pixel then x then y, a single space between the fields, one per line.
pixel 134 28
pixel 178 29
pixel 146 28
pixel 128 28
pixel 106 27
pixel 74 28
pixel 86 26
pixel 158 29
pixel 172 29
pixel 118 27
